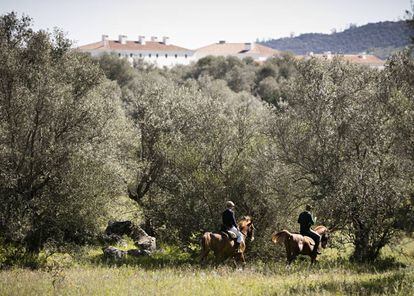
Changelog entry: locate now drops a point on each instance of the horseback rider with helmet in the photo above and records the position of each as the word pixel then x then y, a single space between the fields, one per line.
pixel 230 224
pixel 306 220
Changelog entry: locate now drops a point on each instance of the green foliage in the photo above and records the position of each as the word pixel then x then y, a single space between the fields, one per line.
pixel 262 80
pixel 61 129
pixel 14 255
pixel 199 148
pixel 75 131
pixel 239 74
pixel 335 133
pixel 334 137
pixel 116 69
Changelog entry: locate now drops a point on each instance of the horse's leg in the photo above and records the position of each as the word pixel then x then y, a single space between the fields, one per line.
pixel 291 258
pixel 240 258
pixel 313 259
pixel 289 254
pixel 218 259
pixel 312 255
pixel 203 257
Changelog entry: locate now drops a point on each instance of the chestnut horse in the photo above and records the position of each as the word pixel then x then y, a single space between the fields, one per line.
pixel 223 246
pixel 297 244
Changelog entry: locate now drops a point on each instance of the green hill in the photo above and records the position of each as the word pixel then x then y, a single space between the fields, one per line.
pixel 378 38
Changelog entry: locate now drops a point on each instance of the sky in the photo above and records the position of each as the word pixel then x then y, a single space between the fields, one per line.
pixel 193 23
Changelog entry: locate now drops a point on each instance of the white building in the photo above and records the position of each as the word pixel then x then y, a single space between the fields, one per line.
pixel 363 59
pixel 257 52
pixel 160 53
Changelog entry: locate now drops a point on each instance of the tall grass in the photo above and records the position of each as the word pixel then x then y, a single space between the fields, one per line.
pixel 129 280
pixel 173 272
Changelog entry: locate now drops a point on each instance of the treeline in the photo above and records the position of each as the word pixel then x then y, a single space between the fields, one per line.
pixel 381 38
pixel 77 133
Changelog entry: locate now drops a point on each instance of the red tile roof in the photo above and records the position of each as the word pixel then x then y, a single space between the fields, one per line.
pixel 236 49
pixel 112 45
pixel 367 59
pixel 361 59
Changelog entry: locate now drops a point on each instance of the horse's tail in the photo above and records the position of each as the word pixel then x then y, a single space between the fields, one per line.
pixel 281 236
pixel 205 243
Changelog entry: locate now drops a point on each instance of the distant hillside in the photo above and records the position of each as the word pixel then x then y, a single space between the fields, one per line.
pixel 378 38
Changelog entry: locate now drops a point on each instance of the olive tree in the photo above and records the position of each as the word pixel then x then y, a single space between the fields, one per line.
pixel 335 134
pixel 61 124
pixel 397 88
pixel 201 144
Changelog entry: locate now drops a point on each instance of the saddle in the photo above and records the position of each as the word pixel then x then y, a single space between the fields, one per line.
pixel 228 233
pixel 309 240
pixel 232 234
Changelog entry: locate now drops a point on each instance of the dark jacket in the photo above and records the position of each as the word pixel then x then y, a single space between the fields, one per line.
pixel 306 221
pixel 229 219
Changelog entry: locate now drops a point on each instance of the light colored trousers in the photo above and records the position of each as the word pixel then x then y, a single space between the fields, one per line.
pixel 238 233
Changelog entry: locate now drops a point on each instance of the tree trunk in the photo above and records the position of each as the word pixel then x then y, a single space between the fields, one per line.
pixel 365 249
pixel 147 225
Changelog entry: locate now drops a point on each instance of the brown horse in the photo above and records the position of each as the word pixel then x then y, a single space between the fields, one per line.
pixel 223 246
pixel 297 244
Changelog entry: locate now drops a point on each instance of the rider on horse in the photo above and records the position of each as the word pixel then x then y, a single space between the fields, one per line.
pixel 306 221
pixel 230 224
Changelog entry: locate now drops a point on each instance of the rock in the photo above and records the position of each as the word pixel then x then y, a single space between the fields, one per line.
pixel 115 230
pixel 143 240
pixel 147 243
pixel 114 253
pixel 119 228
pixel 113 239
pixel 134 252
pixel 138 253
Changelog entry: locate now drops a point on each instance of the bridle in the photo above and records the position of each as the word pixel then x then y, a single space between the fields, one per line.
pixel 250 228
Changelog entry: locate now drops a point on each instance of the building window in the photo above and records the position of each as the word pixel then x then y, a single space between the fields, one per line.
pixel 166 55
pixel 156 55
pixel 175 56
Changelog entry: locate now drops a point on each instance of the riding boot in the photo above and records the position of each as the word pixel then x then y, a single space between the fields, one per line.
pixel 316 249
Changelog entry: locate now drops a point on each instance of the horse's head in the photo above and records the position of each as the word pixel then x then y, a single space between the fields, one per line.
pixel 246 227
pixel 324 233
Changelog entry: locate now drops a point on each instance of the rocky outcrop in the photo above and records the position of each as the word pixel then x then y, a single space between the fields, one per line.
pixel 119 228
pixel 138 253
pixel 114 232
pixel 143 240
pixel 112 239
pixel 113 253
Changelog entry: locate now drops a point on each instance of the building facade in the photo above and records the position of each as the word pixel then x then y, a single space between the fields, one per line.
pixel 364 59
pixel 163 54
pixel 157 52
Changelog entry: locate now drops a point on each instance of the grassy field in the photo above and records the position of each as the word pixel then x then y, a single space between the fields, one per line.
pixel 175 273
